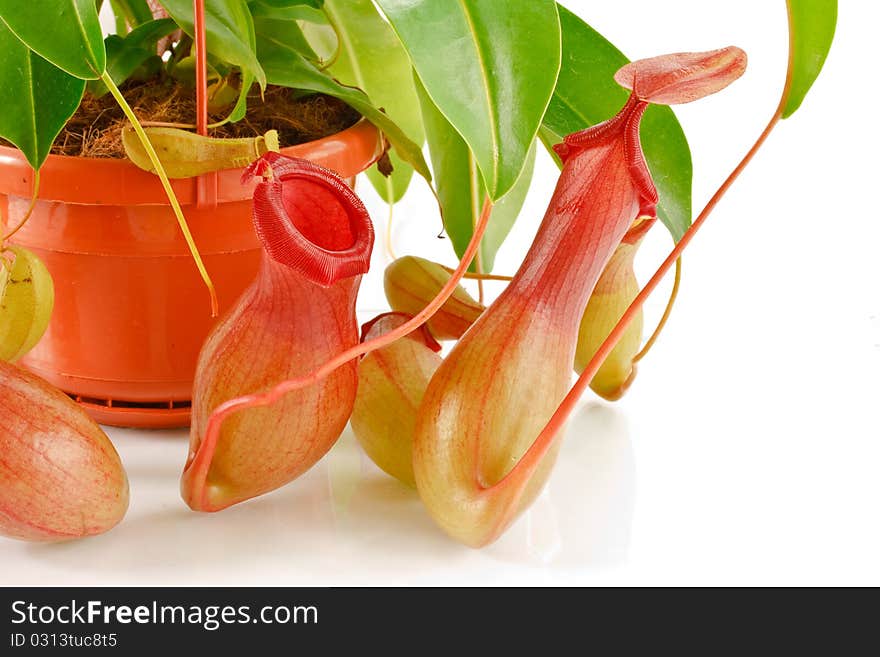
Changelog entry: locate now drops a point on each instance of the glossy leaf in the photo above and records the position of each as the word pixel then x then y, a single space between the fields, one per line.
pixel 461 189
pixel 66 32
pixel 372 58
pixel 271 32
pixel 304 12
pixel 284 33
pixel 490 67
pixel 586 94
pixel 318 31
pixel 126 54
pixel 146 35
pixel 230 36
pixel 312 23
pixel 119 20
pixel 240 108
pixel 45 98
pixel 287 68
pixel 132 12
pixel 812 24
pixel 281 4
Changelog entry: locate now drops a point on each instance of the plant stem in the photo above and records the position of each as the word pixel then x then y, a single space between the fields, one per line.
pixel 166 184
pixel 201 67
pixel 30 210
pixel 666 313
pixel 478 265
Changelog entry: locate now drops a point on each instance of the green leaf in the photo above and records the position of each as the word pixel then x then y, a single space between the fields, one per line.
pixel 490 67
pixel 66 32
pixel 295 12
pixel 126 54
pixel 586 94
pixel 121 62
pixel 147 34
pixel 373 59
pixel 288 68
pixel 812 24
pixel 283 4
pixel 45 98
pixel 320 35
pixel 284 33
pixel 461 189
pixel 185 71
pixel 278 33
pixel 133 12
pixel 240 108
pixel 119 21
pixel 230 36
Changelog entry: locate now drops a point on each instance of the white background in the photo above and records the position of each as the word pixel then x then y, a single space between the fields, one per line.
pixel 747 450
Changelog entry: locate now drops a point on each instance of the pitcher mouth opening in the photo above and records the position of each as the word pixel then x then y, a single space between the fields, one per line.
pixel 310 220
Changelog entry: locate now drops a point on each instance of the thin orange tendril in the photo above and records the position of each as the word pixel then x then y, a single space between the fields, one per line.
pixel 200 462
pixel 673 295
pixel 532 458
pixel 30 210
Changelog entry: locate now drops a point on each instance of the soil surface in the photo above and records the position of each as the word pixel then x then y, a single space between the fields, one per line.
pixel 95 128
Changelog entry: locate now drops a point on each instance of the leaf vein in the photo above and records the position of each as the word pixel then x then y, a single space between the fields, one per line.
pixel 85 36
pixel 493 123
pixel 33 102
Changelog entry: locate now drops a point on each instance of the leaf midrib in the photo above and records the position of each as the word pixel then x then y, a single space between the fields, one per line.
pixel 493 123
pixel 565 101
pixel 356 69
pixel 85 36
pixel 33 114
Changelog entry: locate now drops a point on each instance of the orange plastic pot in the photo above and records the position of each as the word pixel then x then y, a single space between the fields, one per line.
pixel 131 311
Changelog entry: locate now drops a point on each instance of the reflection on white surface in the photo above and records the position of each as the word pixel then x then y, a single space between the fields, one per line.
pixel 754 421
pixel 584 516
pixel 343 522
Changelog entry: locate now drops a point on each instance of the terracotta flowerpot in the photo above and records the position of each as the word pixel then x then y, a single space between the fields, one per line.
pixel 131 311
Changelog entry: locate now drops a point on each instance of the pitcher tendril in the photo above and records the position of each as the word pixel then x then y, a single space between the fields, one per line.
pixel 317 240
pixel 277 392
pixel 28 212
pixel 475 459
pixel 667 312
pixel 166 185
pixel 465 399
pixel 276 232
pixel 544 441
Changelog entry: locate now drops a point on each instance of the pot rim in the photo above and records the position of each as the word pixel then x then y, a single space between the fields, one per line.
pixel 115 181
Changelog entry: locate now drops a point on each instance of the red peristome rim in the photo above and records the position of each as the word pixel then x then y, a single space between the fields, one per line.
pixel 285 243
